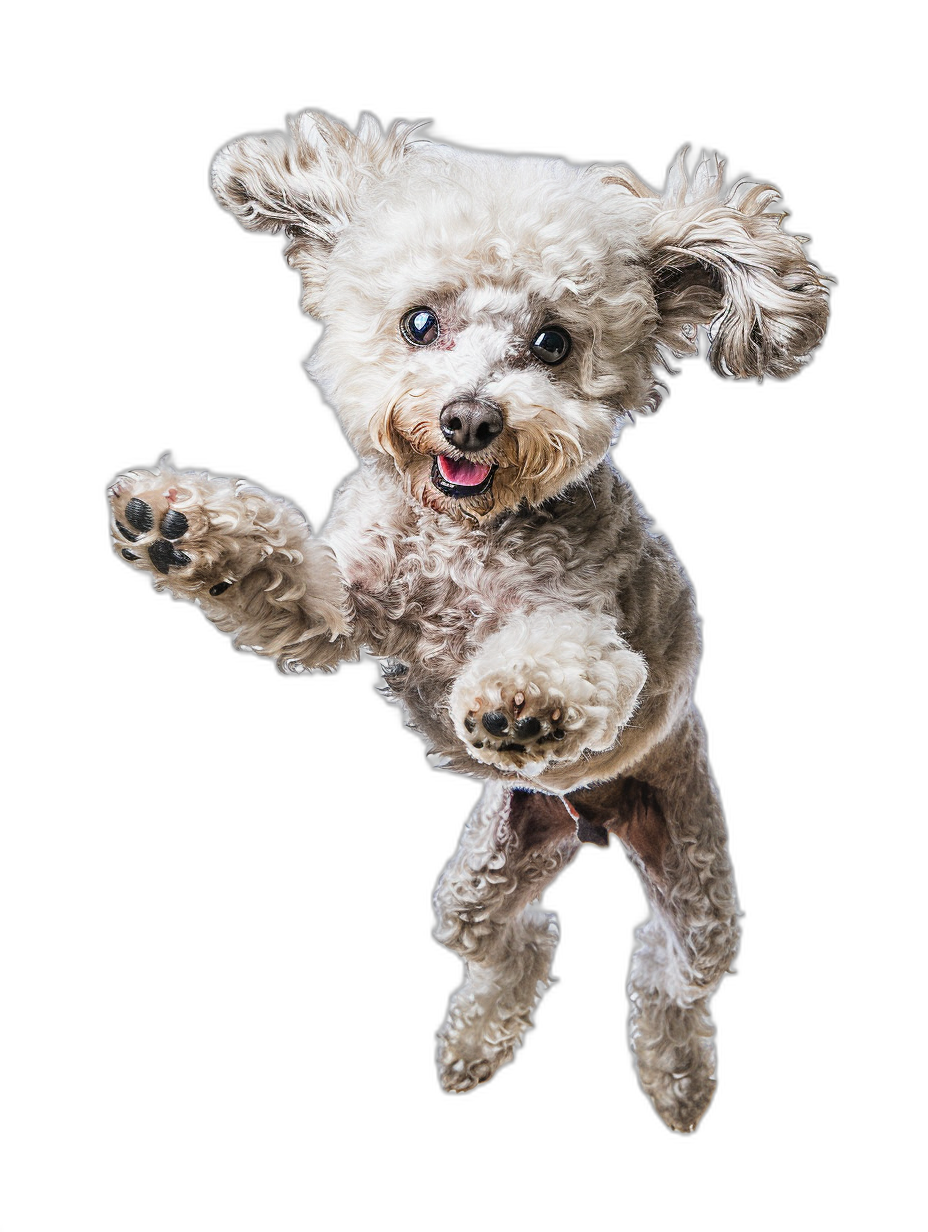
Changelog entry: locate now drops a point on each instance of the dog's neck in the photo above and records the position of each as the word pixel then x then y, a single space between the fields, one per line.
pixel 576 501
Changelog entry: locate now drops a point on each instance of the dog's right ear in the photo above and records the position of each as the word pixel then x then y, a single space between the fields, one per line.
pixel 306 183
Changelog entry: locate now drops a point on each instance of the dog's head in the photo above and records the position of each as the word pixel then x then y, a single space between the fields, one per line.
pixel 489 321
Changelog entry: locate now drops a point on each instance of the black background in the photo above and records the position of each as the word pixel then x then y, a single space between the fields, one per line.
pixel 253 948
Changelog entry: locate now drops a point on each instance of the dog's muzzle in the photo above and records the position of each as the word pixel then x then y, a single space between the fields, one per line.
pixel 469 425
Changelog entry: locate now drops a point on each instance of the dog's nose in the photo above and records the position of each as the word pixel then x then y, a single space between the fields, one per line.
pixel 470 426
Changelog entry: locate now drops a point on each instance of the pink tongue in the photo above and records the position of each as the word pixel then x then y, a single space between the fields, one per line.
pixel 464 474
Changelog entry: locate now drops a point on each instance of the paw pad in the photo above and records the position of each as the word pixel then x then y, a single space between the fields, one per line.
pixel 508 729
pixel 139 514
pixel 162 553
pixel 164 556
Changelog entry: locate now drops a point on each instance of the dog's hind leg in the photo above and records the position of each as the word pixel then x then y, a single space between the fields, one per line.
pixel 671 822
pixel 514 844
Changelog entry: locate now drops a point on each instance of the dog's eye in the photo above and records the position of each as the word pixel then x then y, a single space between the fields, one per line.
pixel 420 326
pixel 551 345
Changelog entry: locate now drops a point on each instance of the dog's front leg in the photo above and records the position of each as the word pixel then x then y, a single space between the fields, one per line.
pixel 248 559
pixel 550 685
pixel 514 844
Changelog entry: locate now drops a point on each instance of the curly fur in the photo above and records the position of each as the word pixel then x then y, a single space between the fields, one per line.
pixel 543 605
pixel 483 905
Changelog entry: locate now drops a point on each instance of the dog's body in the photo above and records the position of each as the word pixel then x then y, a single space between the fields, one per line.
pixel 488 324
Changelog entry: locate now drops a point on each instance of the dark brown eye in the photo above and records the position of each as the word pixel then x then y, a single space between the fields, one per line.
pixel 551 344
pixel 420 326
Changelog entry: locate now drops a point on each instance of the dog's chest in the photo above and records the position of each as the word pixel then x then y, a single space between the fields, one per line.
pixel 431 594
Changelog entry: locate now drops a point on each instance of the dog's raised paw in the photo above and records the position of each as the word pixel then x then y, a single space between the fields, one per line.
pixel 546 689
pixel 165 533
pixel 525 721
pixel 522 724
pixel 162 551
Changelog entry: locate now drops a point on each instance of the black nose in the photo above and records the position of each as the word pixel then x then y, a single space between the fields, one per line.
pixel 470 426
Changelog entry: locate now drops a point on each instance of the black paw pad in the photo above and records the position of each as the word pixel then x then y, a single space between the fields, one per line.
pixel 126 533
pixel 164 555
pixel 139 514
pixel 525 728
pixel 173 524
pixel 219 589
pixel 495 722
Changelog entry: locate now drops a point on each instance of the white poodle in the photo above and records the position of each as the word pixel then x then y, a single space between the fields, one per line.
pixel 489 324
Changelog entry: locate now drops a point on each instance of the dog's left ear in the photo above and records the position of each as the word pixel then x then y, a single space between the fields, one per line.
pixel 721 260
pixel 306 182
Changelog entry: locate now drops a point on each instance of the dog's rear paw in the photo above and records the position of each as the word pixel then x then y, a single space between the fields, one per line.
pixel 675 1054
pixel 458 1075
pixel 471 1048
pixel 681 1098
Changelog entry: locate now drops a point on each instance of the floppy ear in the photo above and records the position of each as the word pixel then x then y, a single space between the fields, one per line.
pixel 306 182
pixel 723 261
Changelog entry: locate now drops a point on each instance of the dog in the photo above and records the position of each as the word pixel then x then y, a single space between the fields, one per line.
pixel 490 323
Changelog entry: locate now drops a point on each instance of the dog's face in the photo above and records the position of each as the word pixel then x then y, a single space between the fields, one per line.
pixel 490 320
pixel 484 329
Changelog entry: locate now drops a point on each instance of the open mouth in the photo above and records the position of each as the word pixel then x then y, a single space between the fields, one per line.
pixel 458 477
